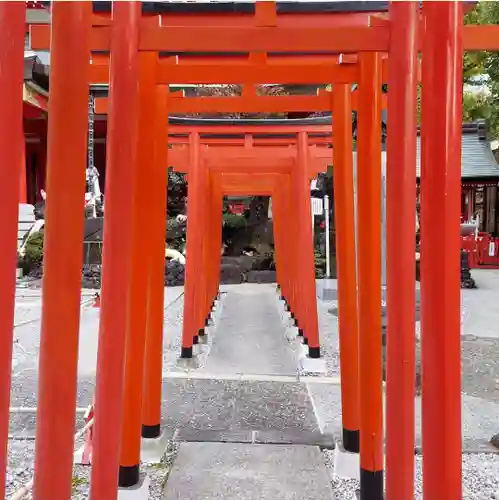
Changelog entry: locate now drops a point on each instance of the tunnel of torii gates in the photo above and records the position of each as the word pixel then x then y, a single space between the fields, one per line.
pixel 129 367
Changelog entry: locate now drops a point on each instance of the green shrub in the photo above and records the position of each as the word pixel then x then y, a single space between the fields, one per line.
pixel 320 265
pixel 234 221
pixel 33 255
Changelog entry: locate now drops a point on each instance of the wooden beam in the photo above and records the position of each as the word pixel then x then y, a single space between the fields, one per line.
pixel 277 155
pixel 180 161
pixel 169 72
pixel 238 39
pixel 256 74
pixel 325 69
pixel 289 20
pixel 271 59
pixel 263 143
pixel 244 104
pixel 264 39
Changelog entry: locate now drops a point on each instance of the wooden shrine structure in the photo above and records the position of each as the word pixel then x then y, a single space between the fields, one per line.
pixel 269 42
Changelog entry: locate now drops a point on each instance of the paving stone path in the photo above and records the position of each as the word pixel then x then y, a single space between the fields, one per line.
pixel 250 335
pixel 219 471
pixel 229 425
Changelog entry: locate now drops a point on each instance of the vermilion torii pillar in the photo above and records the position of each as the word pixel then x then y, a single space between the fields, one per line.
pixel 63 256
pixel 153 370
pixel 194 246
pixel 369 268
pixel 346 265
pixel 117 258
pixel 12 32
pixel 142 230
pixel 440 283
pixel 307 299
pixel 401 271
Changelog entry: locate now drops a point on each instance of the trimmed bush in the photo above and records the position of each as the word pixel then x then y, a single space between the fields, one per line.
pixel 33 256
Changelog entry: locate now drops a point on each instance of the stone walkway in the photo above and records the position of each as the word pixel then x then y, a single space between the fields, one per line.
pixel 250 335
pixel 248 472
pixel 226 427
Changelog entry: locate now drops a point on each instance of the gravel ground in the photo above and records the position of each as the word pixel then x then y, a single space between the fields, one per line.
pixel 24 393
pixel 329 337
pixel 480 478
pixel 20 471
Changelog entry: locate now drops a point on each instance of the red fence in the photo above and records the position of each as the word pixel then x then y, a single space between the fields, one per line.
pixel 483 251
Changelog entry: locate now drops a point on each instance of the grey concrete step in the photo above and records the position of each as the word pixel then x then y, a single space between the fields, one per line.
pixel 219 471
pixel 250 336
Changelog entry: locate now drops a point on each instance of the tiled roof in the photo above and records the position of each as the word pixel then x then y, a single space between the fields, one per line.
pixel 477 160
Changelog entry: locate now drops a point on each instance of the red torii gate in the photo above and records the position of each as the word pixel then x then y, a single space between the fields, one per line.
pixel 138 116
pixel 252 169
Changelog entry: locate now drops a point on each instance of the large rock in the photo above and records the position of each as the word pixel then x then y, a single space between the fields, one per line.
pixel 494 440
pixel 230 274
pixel 174 273
pixel 261 277
pixel 91 277
pixel 243 262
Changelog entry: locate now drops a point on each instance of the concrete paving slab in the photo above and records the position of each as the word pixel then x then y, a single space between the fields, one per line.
pixel 274 406
pixel 223 471
pixel 250 337
pixel 200 405
pixel 236 406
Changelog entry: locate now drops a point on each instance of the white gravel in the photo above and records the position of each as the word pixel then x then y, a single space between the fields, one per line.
pixel 480 478
pixel 20 471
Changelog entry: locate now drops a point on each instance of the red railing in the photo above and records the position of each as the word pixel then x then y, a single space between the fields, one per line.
pixel 483 250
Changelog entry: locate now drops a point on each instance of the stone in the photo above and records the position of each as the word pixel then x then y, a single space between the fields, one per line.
pixel 261 277
pixel 152 450
pixel 244 262
pixel 226 471
pixel 346 464
pixel 230 274
pixel 494 440
pixel 138 492
pixel 188 363
pixel 313 366
pixel 174 273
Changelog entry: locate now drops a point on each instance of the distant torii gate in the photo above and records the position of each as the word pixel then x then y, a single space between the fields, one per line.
pixel 214 171
pixel 132 286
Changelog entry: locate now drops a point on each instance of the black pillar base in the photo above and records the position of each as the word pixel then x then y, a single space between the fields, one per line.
pixel 195 340
pixel 129 476
pixel 151 431
pixel 305 341
pixel 292 314
pixel 314 352
pixel 201 333
pixel 207 321
pixel 351 440
pixel 186 352
pixel 371 485
pixel 300 332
